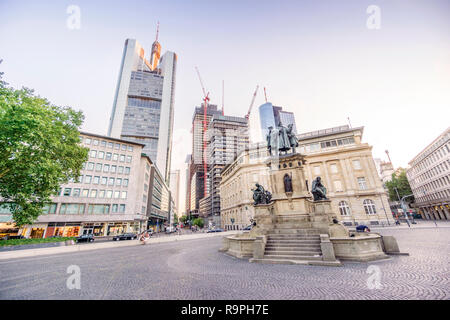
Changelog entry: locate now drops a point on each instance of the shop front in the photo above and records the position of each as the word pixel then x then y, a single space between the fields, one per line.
pixel 63 229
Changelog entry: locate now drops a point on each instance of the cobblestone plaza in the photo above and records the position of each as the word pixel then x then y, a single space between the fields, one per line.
pixel 194 269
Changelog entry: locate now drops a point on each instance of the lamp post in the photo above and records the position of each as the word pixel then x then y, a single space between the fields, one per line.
pixel 404 207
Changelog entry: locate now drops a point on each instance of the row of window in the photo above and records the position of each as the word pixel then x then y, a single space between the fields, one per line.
pixel 444 194
pixel 102 180
pixel 94 193
pixel 109 145
pixel 435 156
pixel 369 207
pixel 433 185
pixel 110 156
pixel 438 169
pixel 79 208
pixel 106 168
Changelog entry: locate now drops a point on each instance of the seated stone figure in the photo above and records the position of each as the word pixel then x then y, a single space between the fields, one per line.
pixel 261 196
pixel 338 230
pixel 318 190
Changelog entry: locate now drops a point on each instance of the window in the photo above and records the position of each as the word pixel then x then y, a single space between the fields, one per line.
pixel 90 166
pixel 109 194
pixel 71 208
pixel 67 192
pixel 115 208
pixel 122 208
pixel 108 156
pixel 317 170
pixel 344 209
pixel 98 209
pixel 106 168
pixel 96 180
pixel 129 159
pixel 87 179
pixel 127 170
pixel 338 185
pixel 120 169
pixel 369 206
pixel 101 194
pixel 118 182
pixel 124 147
pixel 116 194
pixel 76 193
pixel 104 181
pixel 110 145
pixel 103 143
pixel 93 154
pixel 124 195
pixel 101 154
pixel 362 183
pixel 115 157
pixel 356 164
pixel 95 142
pixel 93 194
pixel 130 148
pixel 143 210
pixel 125 182
pixel 98 167
pixel 117 146
pixel 111 182
pixel 85 193
pixel 49 208
pixel 122 158
pixel 113 169
pixel 145 187
pixel 88 141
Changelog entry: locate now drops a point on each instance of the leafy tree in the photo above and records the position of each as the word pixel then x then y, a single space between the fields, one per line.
pixel 39 151
pixel 198 222
pixel 399 182
pixel 183 219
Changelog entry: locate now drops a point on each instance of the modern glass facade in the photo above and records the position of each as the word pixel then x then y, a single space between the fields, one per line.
pixel 271 116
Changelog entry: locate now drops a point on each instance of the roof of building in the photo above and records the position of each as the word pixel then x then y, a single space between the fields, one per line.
pixel 110 138
pixel 327 132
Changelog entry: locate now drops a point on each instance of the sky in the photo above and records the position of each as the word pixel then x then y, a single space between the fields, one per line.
pixel 321 59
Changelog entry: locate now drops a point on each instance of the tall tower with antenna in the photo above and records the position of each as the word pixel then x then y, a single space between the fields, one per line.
pixel 156 51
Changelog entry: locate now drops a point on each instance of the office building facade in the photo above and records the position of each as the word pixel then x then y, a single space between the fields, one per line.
pixel 429 178
pixel 143 107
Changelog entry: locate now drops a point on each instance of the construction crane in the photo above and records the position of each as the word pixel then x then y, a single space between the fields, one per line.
pixel 265 95
pixel 205 107
pixel 247 116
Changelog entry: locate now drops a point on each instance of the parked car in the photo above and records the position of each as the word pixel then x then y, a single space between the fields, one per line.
pixel 214 230
pixel 171 229
pixel 85 238
pixel 8 237
pixel 125 236
pixel 249 227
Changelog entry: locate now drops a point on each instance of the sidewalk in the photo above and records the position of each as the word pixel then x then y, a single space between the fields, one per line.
pixel 420 224
pixel 105 245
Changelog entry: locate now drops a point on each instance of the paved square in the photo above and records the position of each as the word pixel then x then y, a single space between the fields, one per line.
pixel 194 269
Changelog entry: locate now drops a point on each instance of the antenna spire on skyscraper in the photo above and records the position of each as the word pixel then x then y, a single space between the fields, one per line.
pixel 157 31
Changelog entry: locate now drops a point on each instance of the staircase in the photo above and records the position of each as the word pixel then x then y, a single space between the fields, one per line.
pixel 294 241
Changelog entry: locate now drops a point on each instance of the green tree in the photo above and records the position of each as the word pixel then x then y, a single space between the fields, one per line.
pixel 39 151
pixel 198 222
pixel 399 182
pixel 183 219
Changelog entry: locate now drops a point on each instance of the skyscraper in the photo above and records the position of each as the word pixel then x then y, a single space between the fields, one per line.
pixel 271 116
pixel 198 156
pixel 227 136
pixel 175 189
pixel 143 105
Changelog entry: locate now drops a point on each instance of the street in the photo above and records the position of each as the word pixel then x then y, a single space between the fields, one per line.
pixel 194 269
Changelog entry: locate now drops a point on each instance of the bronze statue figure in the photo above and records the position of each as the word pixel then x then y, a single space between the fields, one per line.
pixel 287 183
pixel 318 190
pixel 261 196
pixel 268 137
pixel 293 141
pixel 283 141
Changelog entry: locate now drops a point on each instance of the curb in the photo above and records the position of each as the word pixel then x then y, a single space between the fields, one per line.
pixel 105 245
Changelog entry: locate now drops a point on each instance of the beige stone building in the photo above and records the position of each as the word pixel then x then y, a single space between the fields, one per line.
pixel 429 178
pixel 337 155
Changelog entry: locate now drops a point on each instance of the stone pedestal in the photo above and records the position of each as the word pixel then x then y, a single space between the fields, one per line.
pixel 264 217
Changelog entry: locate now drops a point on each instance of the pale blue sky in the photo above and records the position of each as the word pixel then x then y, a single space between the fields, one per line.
pixel 316 58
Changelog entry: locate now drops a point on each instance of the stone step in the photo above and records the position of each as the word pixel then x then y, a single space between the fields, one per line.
pixel 294 247
pixel 293 236
pixel 301 262
pixel 282 242
pixel 292 257
pixel 301 252
pixel 291 225
pixel 291 231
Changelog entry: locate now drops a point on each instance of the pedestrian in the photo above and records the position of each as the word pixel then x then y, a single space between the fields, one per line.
pixel 362 228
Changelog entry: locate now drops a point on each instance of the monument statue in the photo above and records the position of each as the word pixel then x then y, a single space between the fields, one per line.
pixel 283 141
pixel 318 190
pixel 287 183
pixel 293 141
pixel 261 196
